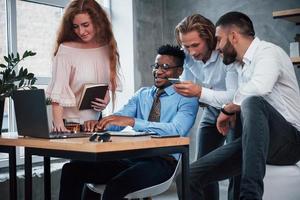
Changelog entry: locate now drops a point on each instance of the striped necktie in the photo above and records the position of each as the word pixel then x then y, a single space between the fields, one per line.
pixel 154 115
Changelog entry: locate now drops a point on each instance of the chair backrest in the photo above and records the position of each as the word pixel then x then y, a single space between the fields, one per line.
pixel 146 192
pixel 155 189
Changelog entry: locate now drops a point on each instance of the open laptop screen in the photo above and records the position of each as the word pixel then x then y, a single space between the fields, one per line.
pixel 31 113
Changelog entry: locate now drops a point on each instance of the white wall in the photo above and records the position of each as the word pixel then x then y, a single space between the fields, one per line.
pixel 122 19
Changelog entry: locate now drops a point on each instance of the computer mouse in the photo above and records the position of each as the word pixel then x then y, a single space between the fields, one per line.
pixel 93 137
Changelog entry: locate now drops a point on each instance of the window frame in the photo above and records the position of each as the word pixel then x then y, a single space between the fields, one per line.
pixel 116 18
pixel 11 32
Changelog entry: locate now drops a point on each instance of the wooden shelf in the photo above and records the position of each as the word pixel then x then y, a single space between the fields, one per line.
pixel 295 60
pixel 292 15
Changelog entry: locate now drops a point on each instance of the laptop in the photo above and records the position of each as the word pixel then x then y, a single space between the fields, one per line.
pixel 31 116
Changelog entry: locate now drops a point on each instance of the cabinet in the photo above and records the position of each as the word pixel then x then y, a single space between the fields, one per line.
pixel 292 15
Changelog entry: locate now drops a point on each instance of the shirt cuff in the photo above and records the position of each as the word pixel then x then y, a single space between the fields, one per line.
pixel 140 124
pixel 206 95
pixel 238 98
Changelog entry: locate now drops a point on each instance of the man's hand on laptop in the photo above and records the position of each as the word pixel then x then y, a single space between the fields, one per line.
pixel 89 126
pixel 115 120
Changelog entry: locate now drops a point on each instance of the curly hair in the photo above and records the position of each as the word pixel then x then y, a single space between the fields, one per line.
pixel 104 34
pixel 174 51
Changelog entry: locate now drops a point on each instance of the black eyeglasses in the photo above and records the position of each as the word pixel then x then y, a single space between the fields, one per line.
pixel 102 137
pixel 164 67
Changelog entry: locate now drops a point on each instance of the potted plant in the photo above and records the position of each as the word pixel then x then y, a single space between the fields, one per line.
pixel 11 79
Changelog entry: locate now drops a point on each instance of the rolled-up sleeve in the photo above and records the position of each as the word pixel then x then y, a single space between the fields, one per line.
pixel 217 98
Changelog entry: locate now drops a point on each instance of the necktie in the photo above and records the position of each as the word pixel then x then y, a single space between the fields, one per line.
pixel 154 115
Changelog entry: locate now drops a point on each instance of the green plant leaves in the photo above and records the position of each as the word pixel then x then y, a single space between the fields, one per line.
pixel 30 76
pixel 11 79
pixel 3 66
pixel 28 53
pixel 25 72
pixel 21 83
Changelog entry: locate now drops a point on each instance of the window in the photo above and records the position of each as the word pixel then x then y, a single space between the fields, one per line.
pixel 37 32
pixel 3 40
pixel 3 51
pixel 33 25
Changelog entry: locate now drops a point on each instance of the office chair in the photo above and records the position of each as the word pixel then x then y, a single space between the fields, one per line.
pixel 146 192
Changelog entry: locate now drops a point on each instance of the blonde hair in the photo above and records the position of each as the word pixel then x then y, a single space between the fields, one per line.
pixel 205 28
pixel 104 34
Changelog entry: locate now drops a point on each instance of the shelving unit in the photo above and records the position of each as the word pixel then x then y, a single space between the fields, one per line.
pixel 296 60
pixel 292 15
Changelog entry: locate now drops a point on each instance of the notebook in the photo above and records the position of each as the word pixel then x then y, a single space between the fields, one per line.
pixel 31 116
pixel 89 93
pixel 130 132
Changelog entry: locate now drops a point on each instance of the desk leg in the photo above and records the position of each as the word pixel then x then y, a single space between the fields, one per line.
pixel 11 150
pixel 47 178
pixel 185 174
pixel 12 174
pixel 28 174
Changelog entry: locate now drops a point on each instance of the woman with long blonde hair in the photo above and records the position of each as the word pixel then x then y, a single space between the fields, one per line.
pixel 85 52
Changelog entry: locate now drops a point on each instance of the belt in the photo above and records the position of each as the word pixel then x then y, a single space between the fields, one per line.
pixel 203 105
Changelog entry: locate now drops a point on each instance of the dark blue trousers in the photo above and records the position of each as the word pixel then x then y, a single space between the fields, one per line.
pixel 121 177
pixel 266 138
pixel 209 140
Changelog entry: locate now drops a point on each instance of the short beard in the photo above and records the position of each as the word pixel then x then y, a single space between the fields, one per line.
pixel 229 53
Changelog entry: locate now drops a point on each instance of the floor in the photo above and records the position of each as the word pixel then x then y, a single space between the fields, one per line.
pixel 172 195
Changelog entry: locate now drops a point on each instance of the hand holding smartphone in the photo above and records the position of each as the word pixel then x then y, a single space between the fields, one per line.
pixel 174 80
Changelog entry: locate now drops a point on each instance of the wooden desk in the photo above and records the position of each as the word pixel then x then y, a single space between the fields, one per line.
pixel 82 149
pixel 11 150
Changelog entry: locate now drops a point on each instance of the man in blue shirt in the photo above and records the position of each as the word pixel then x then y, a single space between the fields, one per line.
pixel 206 76
pixel 177 116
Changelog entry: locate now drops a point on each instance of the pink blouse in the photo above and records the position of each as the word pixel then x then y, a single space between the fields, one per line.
pixel 72 68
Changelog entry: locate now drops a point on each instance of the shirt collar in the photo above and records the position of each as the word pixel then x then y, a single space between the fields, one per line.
pixel 213 58
pixel 168 90
pixel 248 57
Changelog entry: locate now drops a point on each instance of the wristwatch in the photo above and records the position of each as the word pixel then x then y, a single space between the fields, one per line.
pixel 224 111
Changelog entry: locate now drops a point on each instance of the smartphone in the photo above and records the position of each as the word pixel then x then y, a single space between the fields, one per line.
pixel 165 136
pixel 174 80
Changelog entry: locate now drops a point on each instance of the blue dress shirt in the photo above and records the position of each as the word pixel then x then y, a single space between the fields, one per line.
pixel 177 116
pixel 219 82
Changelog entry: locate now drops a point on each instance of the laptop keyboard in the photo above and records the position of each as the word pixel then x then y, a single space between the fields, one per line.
pixel 61 135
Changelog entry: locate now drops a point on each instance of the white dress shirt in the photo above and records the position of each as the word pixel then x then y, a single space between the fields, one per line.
pixel 269 72
pixel 218 81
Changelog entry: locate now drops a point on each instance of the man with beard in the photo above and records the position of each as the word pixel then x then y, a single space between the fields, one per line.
pixel 268 102
pixel 206 76
pixel 176 115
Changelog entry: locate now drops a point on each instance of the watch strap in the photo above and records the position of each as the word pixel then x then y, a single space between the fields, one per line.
pixel 225 112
